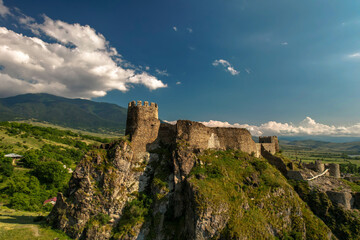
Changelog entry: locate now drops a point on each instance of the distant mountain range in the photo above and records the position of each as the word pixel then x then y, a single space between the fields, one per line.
pixel 73 113
pixel 320 146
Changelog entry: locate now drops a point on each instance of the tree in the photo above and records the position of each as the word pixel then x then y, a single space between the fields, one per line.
pixel 51 173
pixel 6 167
pixel 31 159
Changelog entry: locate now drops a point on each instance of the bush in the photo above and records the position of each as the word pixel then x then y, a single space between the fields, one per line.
pixel 51 173
pixel 25 192
pixel 31 159
pixel 6 167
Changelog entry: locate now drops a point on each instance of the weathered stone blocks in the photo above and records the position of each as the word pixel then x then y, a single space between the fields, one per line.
pixel 144 128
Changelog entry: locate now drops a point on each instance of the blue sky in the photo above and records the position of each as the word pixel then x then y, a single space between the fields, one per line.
pixel 288 59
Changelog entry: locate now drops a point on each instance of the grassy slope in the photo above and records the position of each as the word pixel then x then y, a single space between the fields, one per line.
pixel 45 124
pixel 16 224
pixel 16 143
pixel 227 179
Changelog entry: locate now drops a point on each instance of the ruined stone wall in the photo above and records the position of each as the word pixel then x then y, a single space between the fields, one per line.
pixel 320 167
pixel 270 147
pixel 201 137
pixel 344 198
pixel 271 139
pixel 296 175
pixel 142 124
pixel 334 169
pixel 144 129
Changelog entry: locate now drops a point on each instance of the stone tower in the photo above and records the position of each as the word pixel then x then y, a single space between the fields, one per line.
pixel 319 166
pixel 272 139
pixel 142 124
pixel 334 170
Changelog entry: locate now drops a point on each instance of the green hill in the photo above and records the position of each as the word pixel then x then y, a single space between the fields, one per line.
pixel 73 113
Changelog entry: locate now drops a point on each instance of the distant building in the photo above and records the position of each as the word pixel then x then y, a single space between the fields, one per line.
pixel 51 201
pixel 14 157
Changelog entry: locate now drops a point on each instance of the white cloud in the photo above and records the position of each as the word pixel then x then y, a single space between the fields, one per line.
pixel 3 9
pixel 178 83
pixel 76 62
pixel 162 72
pixel 307 127
pixel 284 43
pixel 247 70
pixel 228 67
pixel 354 55
pixel 189 30
pixel 175 28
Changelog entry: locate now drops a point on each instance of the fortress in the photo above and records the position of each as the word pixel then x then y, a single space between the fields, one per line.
pixel 146 132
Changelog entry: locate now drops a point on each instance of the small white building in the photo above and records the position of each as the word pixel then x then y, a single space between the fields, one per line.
pixel 14 157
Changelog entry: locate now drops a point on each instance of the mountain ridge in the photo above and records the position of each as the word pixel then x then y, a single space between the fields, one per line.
pixel 74 113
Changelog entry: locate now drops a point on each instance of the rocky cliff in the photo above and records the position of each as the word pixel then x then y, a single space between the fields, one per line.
pixel 177 192
pixel 183 181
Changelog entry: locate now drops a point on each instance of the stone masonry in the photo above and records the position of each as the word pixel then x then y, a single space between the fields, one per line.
pixel 145 131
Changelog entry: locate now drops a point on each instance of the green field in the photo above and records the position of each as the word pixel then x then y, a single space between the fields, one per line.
pixel 309 151
pixel 15 224
pixel 311 156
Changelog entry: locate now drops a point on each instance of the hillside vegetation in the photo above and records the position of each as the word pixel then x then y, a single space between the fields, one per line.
pixel 49 154
pixel 256 195
pixel 73 113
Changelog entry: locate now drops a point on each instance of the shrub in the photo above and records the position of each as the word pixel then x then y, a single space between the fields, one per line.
pixel 51 173
pixel 6 167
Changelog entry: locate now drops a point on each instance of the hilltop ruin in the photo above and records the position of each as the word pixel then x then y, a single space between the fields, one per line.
pixel 146 132
pixel 165 181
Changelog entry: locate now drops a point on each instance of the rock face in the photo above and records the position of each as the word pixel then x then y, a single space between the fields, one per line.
pixel 167 183
pixel 157 195
pixel 98 191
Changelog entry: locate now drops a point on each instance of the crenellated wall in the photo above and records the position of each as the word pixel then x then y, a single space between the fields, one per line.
pixel 144 129
pixel 142 124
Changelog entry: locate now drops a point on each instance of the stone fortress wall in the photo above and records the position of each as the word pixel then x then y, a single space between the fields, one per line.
pixel 146 131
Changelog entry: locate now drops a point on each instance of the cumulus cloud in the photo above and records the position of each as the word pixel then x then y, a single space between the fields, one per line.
pixel 307 127
pixel 228 67
pixel 175 28
pixel 3 9
pixel 65 59
pixel 189 30
pixel 178 83
pixel 284 43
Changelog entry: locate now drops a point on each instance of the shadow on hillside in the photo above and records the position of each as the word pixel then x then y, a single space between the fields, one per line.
pixel 13 219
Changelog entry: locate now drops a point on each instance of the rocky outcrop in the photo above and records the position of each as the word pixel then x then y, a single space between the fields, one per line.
pixel 104 181
pixel 118 193
pixel 183 181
